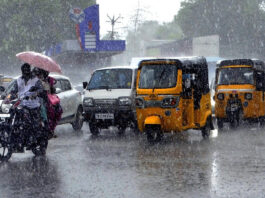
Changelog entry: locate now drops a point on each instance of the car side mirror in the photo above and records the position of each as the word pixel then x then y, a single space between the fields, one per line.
pixel 2 89
pixel 85 85
pixel 58 90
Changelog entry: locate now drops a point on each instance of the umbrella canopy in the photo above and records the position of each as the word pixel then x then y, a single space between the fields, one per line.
pixel 39 60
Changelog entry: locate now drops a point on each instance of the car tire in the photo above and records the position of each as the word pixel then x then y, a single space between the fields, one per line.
pixel 78 123
pixel 121 130
pixel 5 156
pixel 94 130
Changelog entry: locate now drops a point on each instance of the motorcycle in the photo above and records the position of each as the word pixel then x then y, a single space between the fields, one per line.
pixel 22 128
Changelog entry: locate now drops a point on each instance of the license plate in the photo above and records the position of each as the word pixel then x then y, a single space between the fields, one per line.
pixel 4 115
pixel 104 116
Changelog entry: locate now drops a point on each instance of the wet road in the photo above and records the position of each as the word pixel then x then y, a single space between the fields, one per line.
pixel 229 164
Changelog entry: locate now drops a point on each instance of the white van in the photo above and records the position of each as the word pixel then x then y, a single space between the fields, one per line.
pixel 109 99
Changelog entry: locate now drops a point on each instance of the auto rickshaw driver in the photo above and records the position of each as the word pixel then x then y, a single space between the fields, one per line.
pixel 173 95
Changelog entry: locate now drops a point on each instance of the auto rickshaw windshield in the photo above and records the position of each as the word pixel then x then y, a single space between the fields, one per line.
pixel 237 75
pixel 158 76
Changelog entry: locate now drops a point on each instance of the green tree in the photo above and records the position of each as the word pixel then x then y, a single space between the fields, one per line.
pixel 239 23
pixel 148 31
pixel 35 24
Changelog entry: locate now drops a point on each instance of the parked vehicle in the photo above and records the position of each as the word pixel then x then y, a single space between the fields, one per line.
pixel 239 93
pixel 173 95
pixel 22 127
pixel 71 101
pixel 109 99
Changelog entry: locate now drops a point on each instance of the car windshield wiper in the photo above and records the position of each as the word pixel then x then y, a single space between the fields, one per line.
pixel 99 87
pixel 160 77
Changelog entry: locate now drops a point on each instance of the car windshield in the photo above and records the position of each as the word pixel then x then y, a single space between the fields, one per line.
pixel 158 76
pixel 111 79
pixel 238 75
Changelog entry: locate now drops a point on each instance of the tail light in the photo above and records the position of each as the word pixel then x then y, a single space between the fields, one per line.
pixel 170 102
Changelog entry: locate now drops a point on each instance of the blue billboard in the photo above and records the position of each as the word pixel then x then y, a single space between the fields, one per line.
pixel 88 33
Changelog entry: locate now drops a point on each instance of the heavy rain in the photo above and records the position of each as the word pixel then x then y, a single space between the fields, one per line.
pixel 105 98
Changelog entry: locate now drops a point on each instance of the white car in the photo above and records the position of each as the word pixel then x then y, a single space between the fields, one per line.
pixel 109 99
pixel 71 101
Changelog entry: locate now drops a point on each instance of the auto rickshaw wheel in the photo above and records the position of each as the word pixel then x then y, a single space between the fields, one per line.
pixel 220 123
pixel 153 133
pixel 206 130
pixel 262 122
pixel 233 122
pixel 134 127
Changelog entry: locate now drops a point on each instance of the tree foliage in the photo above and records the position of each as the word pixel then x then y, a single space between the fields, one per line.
pixel 239 23
pixel 149 31
pixel 35 24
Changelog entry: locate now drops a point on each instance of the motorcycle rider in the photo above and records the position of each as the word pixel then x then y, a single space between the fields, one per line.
pixel 27 88
pixel 27 83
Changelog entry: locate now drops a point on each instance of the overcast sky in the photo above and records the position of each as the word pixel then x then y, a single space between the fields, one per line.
pixel 162 11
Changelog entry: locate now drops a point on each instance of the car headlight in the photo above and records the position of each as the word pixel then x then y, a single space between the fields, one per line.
pixel 220 96
pixel 6 110
pixel 88 102
pixel 248 96
pixel 125 101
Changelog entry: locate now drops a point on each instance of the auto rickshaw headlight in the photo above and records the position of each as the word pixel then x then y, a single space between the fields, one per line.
pixel 220 96
pixel 139 102
pixel 125 101
pixel 88 102
pixel 170 102
pixel 248 96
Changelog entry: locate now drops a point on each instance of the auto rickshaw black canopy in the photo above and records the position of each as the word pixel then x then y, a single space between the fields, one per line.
pixel 255 63
pixel 189 65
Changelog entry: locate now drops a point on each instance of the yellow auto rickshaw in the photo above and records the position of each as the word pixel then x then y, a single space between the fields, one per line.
pixel 239 91
pixel 172 95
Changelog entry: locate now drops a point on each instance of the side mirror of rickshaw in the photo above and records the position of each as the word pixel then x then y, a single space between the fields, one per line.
pixel 2 89
pixel 85 85
pixel 3 96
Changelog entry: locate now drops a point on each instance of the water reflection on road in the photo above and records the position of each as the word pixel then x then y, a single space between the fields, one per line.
pixel 28 177
pixel 229 164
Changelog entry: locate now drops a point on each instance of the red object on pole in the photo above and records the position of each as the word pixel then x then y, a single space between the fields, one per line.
pixel 77 30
